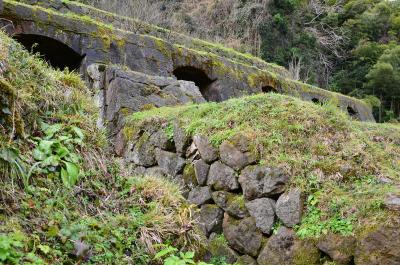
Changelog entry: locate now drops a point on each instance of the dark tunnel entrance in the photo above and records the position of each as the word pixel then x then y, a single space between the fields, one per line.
pixel 202 81
pixel 268 89
pixel 352 112
pixel 56 53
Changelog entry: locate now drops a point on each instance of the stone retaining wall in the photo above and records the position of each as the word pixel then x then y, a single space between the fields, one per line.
pixel 236 196
pixel 248 203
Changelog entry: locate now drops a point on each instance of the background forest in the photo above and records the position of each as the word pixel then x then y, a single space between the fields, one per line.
pixel 348 46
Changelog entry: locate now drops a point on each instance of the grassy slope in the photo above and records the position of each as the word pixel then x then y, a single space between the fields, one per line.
pixel 336 161
pixel 41 218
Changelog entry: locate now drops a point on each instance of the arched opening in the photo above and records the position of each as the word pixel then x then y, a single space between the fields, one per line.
pixel 201 79
pixel 316 101
pixel 268 89
pixel 56 53
pixel 352 112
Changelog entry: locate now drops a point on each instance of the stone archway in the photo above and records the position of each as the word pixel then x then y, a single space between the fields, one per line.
pixel 199 77
pixel 56 53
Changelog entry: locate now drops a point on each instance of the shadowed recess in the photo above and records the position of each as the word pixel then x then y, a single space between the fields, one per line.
pixel 352 112
pixel 56 53
pixel 268 89
pixel 317 101
pixel 199 77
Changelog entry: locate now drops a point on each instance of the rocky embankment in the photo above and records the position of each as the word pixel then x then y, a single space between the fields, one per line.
pixel 249 203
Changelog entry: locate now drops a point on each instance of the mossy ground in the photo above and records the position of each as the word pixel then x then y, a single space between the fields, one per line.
pixel 118 216
pixel 338 162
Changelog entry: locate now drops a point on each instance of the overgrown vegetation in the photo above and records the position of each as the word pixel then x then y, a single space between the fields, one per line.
pixel 336 161
pixel 63 199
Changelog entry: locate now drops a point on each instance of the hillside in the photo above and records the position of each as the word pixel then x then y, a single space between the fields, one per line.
pixel 62 194
pixel 130 164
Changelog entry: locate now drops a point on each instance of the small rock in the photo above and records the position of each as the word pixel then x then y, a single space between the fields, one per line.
pixel 218 247
pixel 232 204
pixel 192 150
pixel 261 181
pixel 81 250
pixel 246 260
pixel 155 172
pixel 384 180
pixel 222 177
pixel 208 153
pixel 189 176
pixel 181 139
pixel 289 208
pixel 242 235
pixel 263 211
pixel 284 248
pixel 200 196
pixel 160 139
pixel 171 163
pixel 210 219
pixel 392 202
pixel 339 248
pixel 138 171
pixel 233 157
pixel 201 170
pixel 241 142
pixel 142 153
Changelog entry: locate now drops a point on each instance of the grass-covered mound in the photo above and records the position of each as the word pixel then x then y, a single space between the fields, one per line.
pixel 340 164
pixel 63 199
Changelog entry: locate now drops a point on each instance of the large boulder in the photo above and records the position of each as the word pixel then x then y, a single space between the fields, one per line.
pixel 208 152
pixel 210 219
pixel 201 169
pixel 379 247
pixel 242 235
pixel 231 203
pixel 185 92
pixel 339 248
pixel 233 157
pixel 135 91
pixel 222 177
pixel 200 196
pixel 262 181
pixel 171 163
pixel 289 207
pixel 284 248
pixel 263 211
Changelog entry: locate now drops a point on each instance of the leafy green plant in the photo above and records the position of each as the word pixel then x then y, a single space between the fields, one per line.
pixel 171 256
pixel 10 248
pixel 169 131
pixel 313 224
pixel 55 153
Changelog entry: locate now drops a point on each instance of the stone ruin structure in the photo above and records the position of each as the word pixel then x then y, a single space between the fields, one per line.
pixel 131 66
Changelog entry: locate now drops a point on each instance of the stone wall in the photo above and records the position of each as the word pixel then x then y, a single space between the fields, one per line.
pixel 232 74
pixel 250 204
